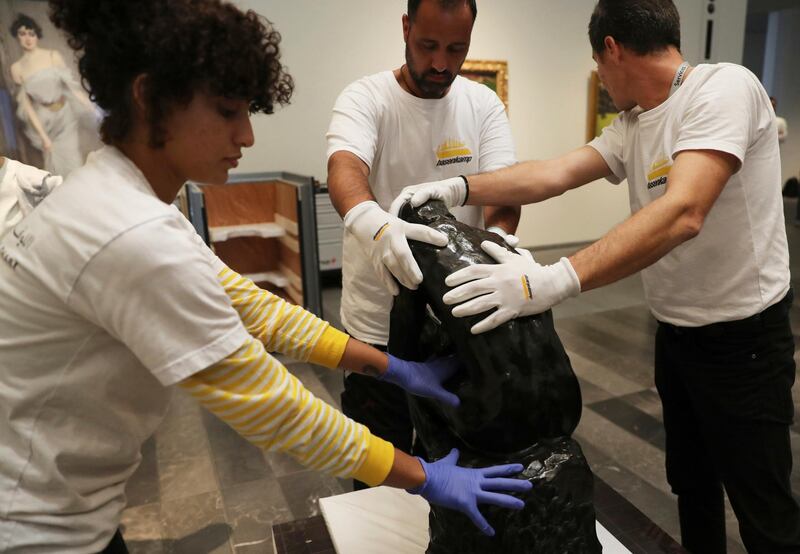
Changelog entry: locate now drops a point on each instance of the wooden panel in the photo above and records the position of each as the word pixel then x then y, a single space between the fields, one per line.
pixel 289 258
pixel 239 204
pixel 249 254
pixel 286 201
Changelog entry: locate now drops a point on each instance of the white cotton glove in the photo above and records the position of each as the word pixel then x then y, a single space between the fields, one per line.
pixel 385 239
pixel 511 240
pixel 517 286
pixel 453 192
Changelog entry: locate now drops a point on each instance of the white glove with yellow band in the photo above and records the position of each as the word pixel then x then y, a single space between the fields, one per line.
pixel 516 286
pixel 384 238
pixel 453 192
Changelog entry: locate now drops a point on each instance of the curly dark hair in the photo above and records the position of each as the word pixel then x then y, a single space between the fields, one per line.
pixel 644 26
pixel 26 21
pixel 181 46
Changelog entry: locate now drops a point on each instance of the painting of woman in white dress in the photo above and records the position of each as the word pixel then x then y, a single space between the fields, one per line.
pixel 51 104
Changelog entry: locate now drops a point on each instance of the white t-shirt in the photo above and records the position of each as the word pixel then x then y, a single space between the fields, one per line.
pixel 405 140
pixel 106 298
pixel 739 263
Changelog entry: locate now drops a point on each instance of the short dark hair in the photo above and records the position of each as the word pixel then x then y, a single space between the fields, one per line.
pixel 413 6
pixel 181 46
pixel 644 26
pixel 26 21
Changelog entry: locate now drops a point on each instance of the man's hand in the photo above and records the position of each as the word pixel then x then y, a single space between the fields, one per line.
pixel 385 239
pixel 453 192
pixel 516 286
pixel 424 378
pixel 462 489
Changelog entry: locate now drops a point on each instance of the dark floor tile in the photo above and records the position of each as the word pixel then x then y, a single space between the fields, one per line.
pixel 241 466
pixel 213 538
pixel 595 329
pixel 631 419
pixel 253 508
pixel 591 393
pixel 143 486
pixel 221 437
pixel 195 520
pixel 303 491
pixel 186 478
pixel 306 536
pixel 647 401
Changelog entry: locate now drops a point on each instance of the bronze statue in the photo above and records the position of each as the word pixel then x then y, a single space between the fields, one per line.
pixel 520 402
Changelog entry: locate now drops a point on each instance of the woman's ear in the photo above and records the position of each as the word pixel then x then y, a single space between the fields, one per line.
pixel 139 96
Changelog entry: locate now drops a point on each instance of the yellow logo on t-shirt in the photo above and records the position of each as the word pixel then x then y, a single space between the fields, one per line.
pixel 453 151
pixel 659 171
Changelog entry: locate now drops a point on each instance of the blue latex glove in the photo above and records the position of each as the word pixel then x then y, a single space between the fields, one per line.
pixel 462 488
pixel 424 378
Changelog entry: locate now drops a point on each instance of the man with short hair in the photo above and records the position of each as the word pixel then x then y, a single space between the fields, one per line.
pixel 699 148
pixel 390 130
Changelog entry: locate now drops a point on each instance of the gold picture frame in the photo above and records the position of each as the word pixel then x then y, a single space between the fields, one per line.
pixel 601 111
pixel 492 73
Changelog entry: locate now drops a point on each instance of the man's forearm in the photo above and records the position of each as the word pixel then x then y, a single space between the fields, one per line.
pixel 537 180
pixel 636 243
pixel 665 223
pixel 348 183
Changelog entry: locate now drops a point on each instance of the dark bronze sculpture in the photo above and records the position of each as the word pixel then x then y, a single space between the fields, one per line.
pixel 520 402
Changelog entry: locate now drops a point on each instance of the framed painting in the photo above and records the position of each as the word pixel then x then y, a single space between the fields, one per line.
pixel 492 73
pixel 601 110
pixel 48 119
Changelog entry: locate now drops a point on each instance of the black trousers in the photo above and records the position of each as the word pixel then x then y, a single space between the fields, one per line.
pixel 382 407
pixel 116 546
pixel 726 395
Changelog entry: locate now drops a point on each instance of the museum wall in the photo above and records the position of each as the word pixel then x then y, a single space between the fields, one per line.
pixel 329 44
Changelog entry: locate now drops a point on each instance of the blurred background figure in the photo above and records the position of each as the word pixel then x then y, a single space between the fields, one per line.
pixel 783 127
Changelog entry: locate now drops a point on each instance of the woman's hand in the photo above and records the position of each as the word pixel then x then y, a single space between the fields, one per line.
pixel 424 378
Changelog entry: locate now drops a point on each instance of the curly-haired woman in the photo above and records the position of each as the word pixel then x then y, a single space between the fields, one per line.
pixel 108 298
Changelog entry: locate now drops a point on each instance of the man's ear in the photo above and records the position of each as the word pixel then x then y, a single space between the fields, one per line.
pixel 406 27
pixel 613 49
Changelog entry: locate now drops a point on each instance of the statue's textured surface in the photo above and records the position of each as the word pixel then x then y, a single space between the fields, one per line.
pixel 520 402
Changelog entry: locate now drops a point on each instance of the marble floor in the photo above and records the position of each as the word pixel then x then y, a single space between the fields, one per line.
pixel 202 489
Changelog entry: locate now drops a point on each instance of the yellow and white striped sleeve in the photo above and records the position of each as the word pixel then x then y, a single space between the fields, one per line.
pixel 281 326
pixel 253 393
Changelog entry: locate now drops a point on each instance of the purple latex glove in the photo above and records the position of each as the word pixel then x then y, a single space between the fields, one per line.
pixel 424 378
pixel 462 488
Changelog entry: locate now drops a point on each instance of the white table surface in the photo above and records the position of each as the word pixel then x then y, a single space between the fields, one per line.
pixel 391 521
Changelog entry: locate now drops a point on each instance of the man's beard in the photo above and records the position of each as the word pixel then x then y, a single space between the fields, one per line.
pixel 429 89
